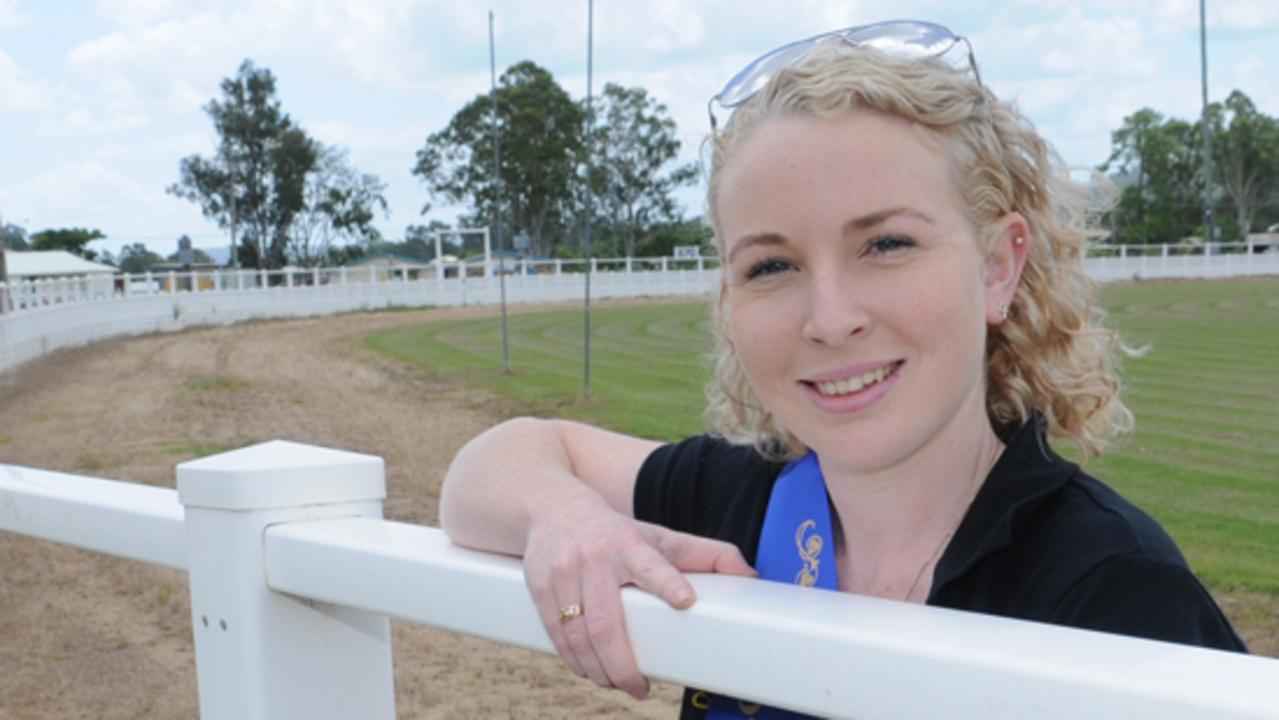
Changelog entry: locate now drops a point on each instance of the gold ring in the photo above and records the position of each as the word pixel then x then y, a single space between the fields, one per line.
pixel 568 612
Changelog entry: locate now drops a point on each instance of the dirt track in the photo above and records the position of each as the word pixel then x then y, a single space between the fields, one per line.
pixel 83 635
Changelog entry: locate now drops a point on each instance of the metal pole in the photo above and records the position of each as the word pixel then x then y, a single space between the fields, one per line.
pixel 234 260
pixel 4 276
pixel 1209 220
pixel 497 195
pixel 590 125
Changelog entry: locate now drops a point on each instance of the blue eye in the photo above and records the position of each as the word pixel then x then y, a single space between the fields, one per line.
pixel 887 244
pixel 771 266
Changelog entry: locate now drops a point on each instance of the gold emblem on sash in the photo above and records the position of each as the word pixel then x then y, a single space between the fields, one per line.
pixel 809 546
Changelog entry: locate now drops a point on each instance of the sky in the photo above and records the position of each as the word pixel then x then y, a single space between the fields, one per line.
pixel 99 101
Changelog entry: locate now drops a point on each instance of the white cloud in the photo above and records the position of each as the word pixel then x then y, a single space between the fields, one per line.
pixel 91 194
pixel 18 93
pixel 1249 14
pixel 1070 44
pixel 658 26
pixel 378 77
pixel 370 42
pixel 1257 79
pixel 140 13
pixel 1183 15
pixel 80 122
pixel 169 148
pixel 10 16
pixel 172 54
pixel 78 190
pixel 1175 16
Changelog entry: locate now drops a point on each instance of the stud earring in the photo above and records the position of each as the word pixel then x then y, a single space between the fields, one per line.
pixel 1003 311
pixel 1019 241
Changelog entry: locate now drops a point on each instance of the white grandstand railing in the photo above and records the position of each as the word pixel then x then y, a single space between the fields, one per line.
pixel 41 316
pixel 445 282
pixel 46 315
pixel 293 576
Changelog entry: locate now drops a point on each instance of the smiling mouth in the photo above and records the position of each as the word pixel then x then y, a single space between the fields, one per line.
pixel 857 383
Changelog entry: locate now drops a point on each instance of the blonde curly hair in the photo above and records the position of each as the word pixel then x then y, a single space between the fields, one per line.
pixel 1054 354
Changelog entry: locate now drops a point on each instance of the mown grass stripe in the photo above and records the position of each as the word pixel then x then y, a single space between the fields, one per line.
pixel 1204 459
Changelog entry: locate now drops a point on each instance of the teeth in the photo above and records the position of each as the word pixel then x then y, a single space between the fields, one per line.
pixel 855 383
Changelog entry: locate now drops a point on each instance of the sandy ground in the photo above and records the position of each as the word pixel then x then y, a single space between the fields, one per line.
pixel 87 636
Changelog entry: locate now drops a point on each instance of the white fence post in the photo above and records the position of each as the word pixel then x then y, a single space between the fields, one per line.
pixel 262 654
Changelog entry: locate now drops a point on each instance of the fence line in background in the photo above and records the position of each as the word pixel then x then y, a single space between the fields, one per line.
pixel 294 574
pixel 41 316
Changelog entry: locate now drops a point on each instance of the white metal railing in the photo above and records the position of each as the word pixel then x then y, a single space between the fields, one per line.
pixel 46 315
pixel 1105 262
pixel 41 316
pixel 293 576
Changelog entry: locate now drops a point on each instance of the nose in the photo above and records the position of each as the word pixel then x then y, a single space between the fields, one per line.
pixel 836 312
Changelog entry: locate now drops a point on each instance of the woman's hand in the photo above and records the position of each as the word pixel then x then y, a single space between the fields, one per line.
pixel 560 494
pixel 582 553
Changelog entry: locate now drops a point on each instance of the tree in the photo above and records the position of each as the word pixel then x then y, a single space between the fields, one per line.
pixel 255 183
pixel 419 240
pixel 633 143
pixel 13 237
pixel 541 139
pixel 198 257
pixel 136 258
pixel 662 239
pixel 1246 151
pixel 73 240
pixel 1158 162
pixel 339 206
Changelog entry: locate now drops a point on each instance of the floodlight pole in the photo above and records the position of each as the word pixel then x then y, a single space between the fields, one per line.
pixel 497 196
pixel 590 125
pixel 4 276
pixel 234 260
pixel 1209 219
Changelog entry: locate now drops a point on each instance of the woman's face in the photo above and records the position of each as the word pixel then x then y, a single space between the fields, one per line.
pixel 857 293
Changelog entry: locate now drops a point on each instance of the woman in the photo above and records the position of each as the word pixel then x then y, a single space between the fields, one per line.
pixel 903 319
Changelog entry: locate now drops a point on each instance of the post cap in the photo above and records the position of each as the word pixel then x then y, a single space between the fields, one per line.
pixel 279 474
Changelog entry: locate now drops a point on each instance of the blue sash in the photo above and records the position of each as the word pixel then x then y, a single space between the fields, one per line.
pixel 796 546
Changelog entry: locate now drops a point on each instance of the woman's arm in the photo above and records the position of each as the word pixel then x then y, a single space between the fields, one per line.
pixel 560 494
pixel 508 476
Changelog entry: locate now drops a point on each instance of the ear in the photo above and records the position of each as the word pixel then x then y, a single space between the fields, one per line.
pixel 1009 248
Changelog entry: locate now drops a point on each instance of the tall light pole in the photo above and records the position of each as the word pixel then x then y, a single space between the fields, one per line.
pixel 1209 220
pixel 4 275
pixel 590 126
pixel 497 195
pixel 234 260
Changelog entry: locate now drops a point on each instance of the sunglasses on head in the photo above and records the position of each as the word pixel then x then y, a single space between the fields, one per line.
pixel 899 38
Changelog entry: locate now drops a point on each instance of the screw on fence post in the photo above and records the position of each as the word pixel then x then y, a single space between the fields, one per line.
pixel 262 654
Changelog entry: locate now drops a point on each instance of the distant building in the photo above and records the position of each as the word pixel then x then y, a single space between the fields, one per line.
pixel 388 266
pixel 37 264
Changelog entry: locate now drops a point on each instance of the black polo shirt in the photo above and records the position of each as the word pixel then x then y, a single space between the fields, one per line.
pixel 1041 541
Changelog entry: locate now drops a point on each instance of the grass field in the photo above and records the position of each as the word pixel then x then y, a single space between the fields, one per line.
pixel 1204 460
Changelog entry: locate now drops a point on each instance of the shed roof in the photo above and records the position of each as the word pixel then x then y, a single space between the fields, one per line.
pixel 45 263
pixel 382 258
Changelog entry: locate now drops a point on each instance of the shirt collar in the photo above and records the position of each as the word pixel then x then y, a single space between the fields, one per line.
pixel 1027 472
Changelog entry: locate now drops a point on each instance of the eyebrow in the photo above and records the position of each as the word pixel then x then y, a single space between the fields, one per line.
pixel 858 224
pixel 867 222
pixel 746 241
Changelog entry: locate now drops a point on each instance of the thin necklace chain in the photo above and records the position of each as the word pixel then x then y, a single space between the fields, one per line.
pixel 932 559
pixel 936 554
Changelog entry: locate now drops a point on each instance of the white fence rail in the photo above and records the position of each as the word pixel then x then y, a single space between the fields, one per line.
pixel 293 576
pixel 45 315
pixel 1146 262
